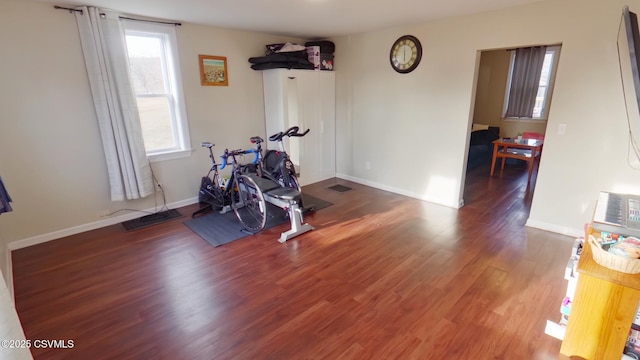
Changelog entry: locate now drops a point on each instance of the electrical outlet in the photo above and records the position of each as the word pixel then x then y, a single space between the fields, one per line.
pixel 367 165
pixel 103 213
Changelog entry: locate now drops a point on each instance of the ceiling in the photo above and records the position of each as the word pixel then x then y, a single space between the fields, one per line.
pixel 308 19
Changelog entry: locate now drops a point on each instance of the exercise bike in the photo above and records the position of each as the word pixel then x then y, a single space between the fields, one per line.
pixel 246 193
pixel 276 164
pixel 276 177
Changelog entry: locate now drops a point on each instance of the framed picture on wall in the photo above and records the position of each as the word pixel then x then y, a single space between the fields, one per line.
pixel 213 70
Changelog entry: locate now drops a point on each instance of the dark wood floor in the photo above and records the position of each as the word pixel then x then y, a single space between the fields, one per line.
pixel 383 276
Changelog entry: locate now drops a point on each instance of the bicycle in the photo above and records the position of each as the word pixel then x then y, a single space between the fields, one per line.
pixel 240 192
pixel 277 181
pixel 212 187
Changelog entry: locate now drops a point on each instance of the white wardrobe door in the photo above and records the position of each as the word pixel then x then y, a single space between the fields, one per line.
pixel 307 90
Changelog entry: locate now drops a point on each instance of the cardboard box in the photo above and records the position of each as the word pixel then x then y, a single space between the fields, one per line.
pixel 313 54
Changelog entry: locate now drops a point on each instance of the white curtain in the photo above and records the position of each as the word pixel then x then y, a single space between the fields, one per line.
pixel 104 47
pixel 525 81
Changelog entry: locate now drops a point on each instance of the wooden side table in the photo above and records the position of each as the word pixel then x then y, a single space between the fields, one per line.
pixel 604 306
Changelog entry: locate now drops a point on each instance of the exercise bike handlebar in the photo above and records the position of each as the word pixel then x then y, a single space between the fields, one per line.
pixel 296 133
pixel 234 153
pixel 292 131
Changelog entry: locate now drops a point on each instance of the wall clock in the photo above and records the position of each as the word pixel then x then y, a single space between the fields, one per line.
pixel 405 54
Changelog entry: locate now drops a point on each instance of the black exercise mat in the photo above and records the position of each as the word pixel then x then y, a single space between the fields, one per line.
pixel 312 203
pixel 219 229
pixel 151 219
pixel 340 188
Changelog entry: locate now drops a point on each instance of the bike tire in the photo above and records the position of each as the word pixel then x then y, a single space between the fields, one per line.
pixel 249 204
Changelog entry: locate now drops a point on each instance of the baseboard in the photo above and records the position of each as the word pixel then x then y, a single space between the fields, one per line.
pixel 563 230
pixel 455 205
pixel 39 239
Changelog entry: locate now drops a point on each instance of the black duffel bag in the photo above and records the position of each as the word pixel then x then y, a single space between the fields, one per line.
pixel 326 46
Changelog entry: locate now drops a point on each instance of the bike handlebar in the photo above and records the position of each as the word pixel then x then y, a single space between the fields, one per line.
pixel 292 131
pixel 234 153
pixel 296 133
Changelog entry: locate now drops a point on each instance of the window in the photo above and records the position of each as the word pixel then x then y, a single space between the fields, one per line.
pixel 153 69
pixel 544 84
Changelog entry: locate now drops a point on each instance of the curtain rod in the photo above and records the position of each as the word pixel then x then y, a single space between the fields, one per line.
pixel 525 47
pixel 120 17
pixel 152 21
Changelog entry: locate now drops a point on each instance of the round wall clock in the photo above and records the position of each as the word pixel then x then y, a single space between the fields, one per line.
pixel 405 54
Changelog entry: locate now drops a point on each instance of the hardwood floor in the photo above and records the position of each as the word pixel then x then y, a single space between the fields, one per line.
pixel 383 276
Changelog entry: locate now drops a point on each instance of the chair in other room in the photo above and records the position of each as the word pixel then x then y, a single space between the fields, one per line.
pixel 532 135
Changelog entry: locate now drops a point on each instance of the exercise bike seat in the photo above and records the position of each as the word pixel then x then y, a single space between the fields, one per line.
pixel 265 185
pixel 287 194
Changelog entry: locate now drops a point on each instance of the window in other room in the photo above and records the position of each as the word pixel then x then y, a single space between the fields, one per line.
pixel 544 85
pixel 155 78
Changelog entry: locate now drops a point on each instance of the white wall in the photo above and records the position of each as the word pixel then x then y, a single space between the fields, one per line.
pixel 407 126
pixel 5 262
pixel 493 74
pixel 413 128
pixel 51 157
pixel 10 327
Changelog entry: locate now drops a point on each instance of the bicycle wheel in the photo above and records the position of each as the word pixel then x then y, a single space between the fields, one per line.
pixel 249 204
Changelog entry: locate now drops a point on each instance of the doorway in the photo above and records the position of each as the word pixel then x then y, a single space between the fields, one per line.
pixel 488 121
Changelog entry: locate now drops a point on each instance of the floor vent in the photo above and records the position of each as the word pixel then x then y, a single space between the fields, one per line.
pixel 151 219
pixel 340 188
